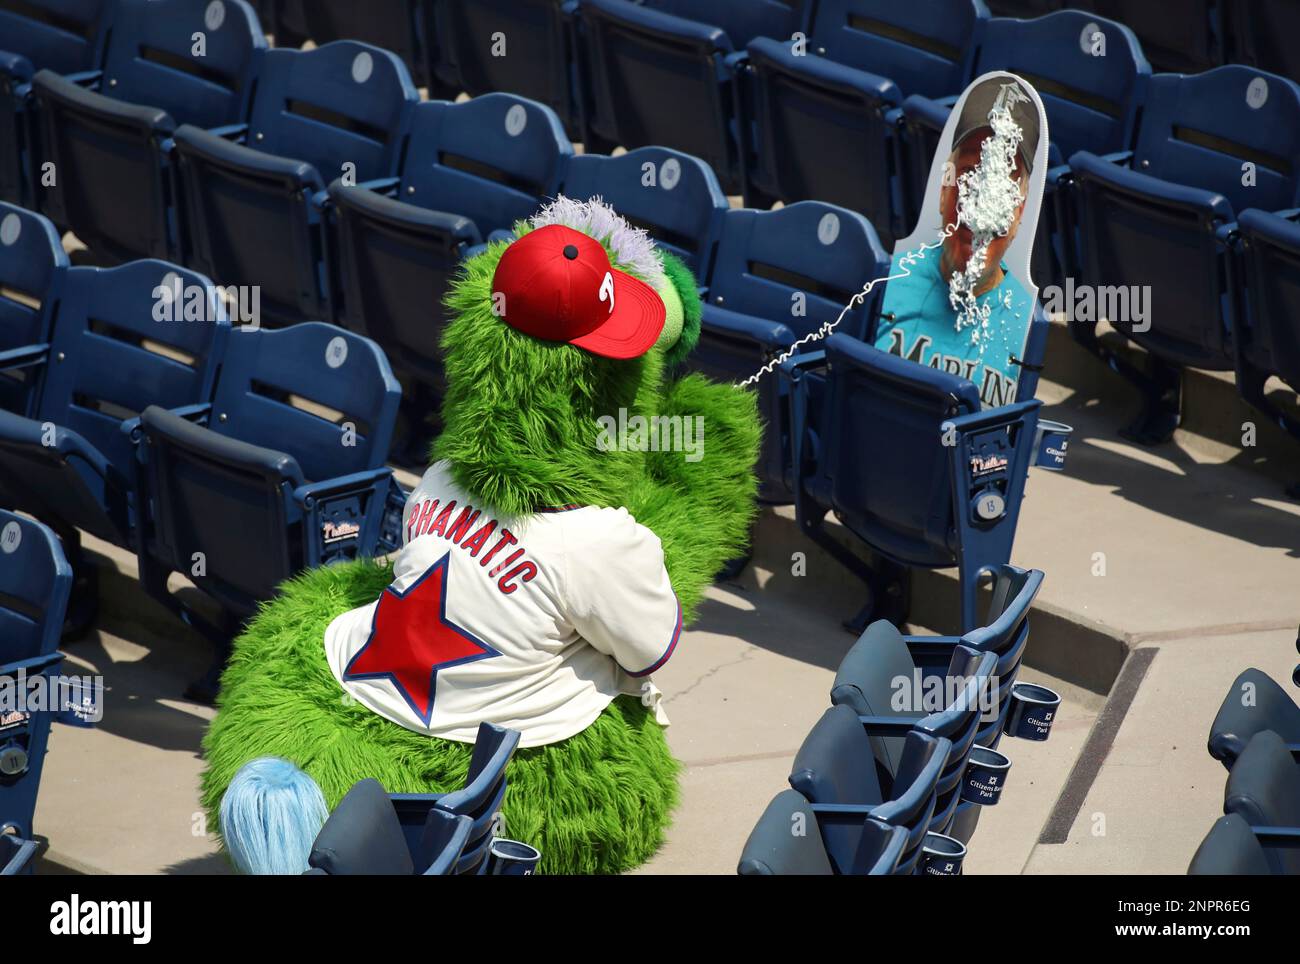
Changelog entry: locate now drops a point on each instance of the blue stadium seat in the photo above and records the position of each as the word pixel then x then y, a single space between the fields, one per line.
pixel 1178 35
pixel 1208 146
pixel 35 582
pixel 1259 33
pixel 32 268
pixel 364 837
pixel 1264 790
pixel 251 210
pixel 537 38
pixel 672 195
pixel 470 169
pixel 905 458
pixel 1091 76
pixel 293 447
pixel 1253 704
pixel 66 36
pixel 823 119
pixel 1265 277
pixel 479 799
pixel 1230 849
pixel 145 333
pixel 787 841
pixel 1005 635
pixel 779 276
pixel 656 78
pixel 836 772
pixel 404 27
pixel 108 135
pixel 866 682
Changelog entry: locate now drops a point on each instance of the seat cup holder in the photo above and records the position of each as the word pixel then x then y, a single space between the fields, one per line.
pixel 511 858
pixel 1051 439
pixel 985 776
pixel 941 855
pixel 1033 710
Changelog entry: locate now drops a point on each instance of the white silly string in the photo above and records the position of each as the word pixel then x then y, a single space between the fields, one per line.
pixel 904 264
pixel 987 199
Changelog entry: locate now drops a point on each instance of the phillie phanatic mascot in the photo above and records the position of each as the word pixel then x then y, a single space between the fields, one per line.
pixel 551 555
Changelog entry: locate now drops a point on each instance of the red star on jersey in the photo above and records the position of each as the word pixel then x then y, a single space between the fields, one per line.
pixel 411 638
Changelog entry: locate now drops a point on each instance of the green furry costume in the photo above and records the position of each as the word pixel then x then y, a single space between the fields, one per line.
pixel 520 423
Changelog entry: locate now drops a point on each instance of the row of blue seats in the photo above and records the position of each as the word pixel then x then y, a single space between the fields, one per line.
pixel 1192 35
pixel 871 780
pixel 1256 736
pixel 1154 180
pixel 579 58
pixel 236 457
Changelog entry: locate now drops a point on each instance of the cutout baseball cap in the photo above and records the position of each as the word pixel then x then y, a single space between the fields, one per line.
pixel 558 285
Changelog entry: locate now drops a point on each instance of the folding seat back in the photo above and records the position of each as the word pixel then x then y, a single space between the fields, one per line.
pixel 167 62
pixel 656 78
pixel 65 36
pixel 869 680
pixel 251 214
pixel 362 836
pixel 470 169
pixel 779 276
pixel 32 267
pixel 672 195
pixel 35 582
pixel 1090 73
pixel 538 42
pixel 1198 135
pixel 1199 129
pixel 1264 790
pixel 1258 32
pixel 900 499
pixel 1265 339
pixel 1254 703
pixel 836 771
pixel 145 333
pixel 776 847
pixel 301 420
pixel 925 49
pixel 1006 634
pixel 969 679
pixel 396 25
pixel 1177 35
pixel 340 108
pixel 492 159
pixel 479 799
pixel 125 340
pixel 1230 849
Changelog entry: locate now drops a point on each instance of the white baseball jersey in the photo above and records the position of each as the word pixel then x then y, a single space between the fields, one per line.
pixel 534 624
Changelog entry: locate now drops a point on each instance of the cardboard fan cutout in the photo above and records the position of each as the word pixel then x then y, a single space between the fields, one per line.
pixel 966 306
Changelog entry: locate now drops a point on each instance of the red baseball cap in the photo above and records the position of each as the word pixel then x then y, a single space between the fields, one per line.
pixel 558 285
